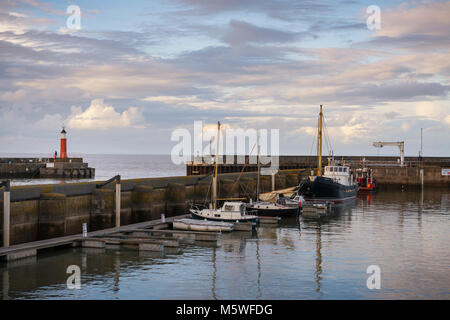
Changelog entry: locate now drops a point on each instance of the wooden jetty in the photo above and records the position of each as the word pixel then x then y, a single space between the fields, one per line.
pixel 107 238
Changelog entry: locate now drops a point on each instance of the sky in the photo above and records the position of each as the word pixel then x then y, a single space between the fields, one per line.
pixel 138 70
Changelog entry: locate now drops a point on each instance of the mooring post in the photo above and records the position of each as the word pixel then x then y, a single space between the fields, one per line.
pixel 84 230
pixel 6 212
pixel 421 177
pixel 118 190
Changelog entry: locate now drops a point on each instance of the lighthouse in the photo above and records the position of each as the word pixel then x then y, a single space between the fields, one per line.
pixel 63 151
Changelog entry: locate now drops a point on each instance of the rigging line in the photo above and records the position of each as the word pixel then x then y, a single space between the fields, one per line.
pixel 243 168
pixel 327 136
pixel 207 194
pixel 313 142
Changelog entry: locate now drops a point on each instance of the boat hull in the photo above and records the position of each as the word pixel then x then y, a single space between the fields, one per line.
pixel 325 189
pixel 200 217
pixel 285 212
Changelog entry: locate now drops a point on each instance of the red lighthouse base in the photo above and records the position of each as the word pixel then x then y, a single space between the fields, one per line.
pixel 63 153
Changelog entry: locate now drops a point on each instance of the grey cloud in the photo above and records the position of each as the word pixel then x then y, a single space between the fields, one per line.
pixel 416 41
pixel 281 9
pixel 399 91
pixel 240 33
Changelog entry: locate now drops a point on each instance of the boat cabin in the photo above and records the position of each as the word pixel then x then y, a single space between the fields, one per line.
pixel 340 174
pixel 234 207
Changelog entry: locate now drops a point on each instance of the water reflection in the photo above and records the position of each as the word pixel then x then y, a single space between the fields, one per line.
pixel 405 233
pixel 318 257
pixel 213 288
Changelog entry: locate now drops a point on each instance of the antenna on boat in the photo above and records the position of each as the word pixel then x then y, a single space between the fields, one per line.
pixel 216 167
pixel 319 144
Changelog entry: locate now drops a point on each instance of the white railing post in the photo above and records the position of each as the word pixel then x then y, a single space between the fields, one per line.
pixel 6 212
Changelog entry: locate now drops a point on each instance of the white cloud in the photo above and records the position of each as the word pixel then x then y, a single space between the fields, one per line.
pixel 100 116
pixel 435 110
pixel 50 121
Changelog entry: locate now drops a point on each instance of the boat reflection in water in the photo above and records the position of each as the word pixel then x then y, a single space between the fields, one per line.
pixel 337 212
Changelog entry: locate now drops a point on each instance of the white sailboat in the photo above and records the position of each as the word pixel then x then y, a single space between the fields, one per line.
pixel 231 211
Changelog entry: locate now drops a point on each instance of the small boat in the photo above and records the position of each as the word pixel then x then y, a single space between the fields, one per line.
pixel 230 212
pixel 202 225
pixel 365 179
pixel 273 209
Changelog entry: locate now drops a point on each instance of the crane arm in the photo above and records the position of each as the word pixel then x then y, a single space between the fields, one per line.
pixel 400 145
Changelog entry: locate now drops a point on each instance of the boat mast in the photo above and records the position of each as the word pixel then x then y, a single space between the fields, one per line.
pixel 259 169
pixel 216 167
pixel 319 144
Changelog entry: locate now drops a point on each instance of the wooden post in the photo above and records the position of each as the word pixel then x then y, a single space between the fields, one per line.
pixel 273 181
pixel 118 190
pixel 6 212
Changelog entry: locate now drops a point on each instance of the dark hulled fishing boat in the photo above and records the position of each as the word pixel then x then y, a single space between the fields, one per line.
pixel 323 188
pixel 335 185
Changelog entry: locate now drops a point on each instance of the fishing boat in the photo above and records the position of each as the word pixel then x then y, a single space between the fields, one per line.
pixel 202 225
pixel 365 179
pixel 335 185
pixel 231 211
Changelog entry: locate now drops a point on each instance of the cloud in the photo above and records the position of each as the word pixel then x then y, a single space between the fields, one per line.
pixel 281 9
pixel 50 122
pixel 240 33
pixel 100 116
pixel 423 25
pixel 423 18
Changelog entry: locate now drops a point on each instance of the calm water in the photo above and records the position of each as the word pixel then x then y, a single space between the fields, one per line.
pixel 107 166
pixel 405 233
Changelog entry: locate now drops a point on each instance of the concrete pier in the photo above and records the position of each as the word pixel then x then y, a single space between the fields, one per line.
pixel 386 170
pixel 14 168
pixel 39 212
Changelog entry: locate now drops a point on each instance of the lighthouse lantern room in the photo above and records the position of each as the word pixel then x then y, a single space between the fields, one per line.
pixel 63 151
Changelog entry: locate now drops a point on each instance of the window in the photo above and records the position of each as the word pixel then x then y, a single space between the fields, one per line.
pixel 340 169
